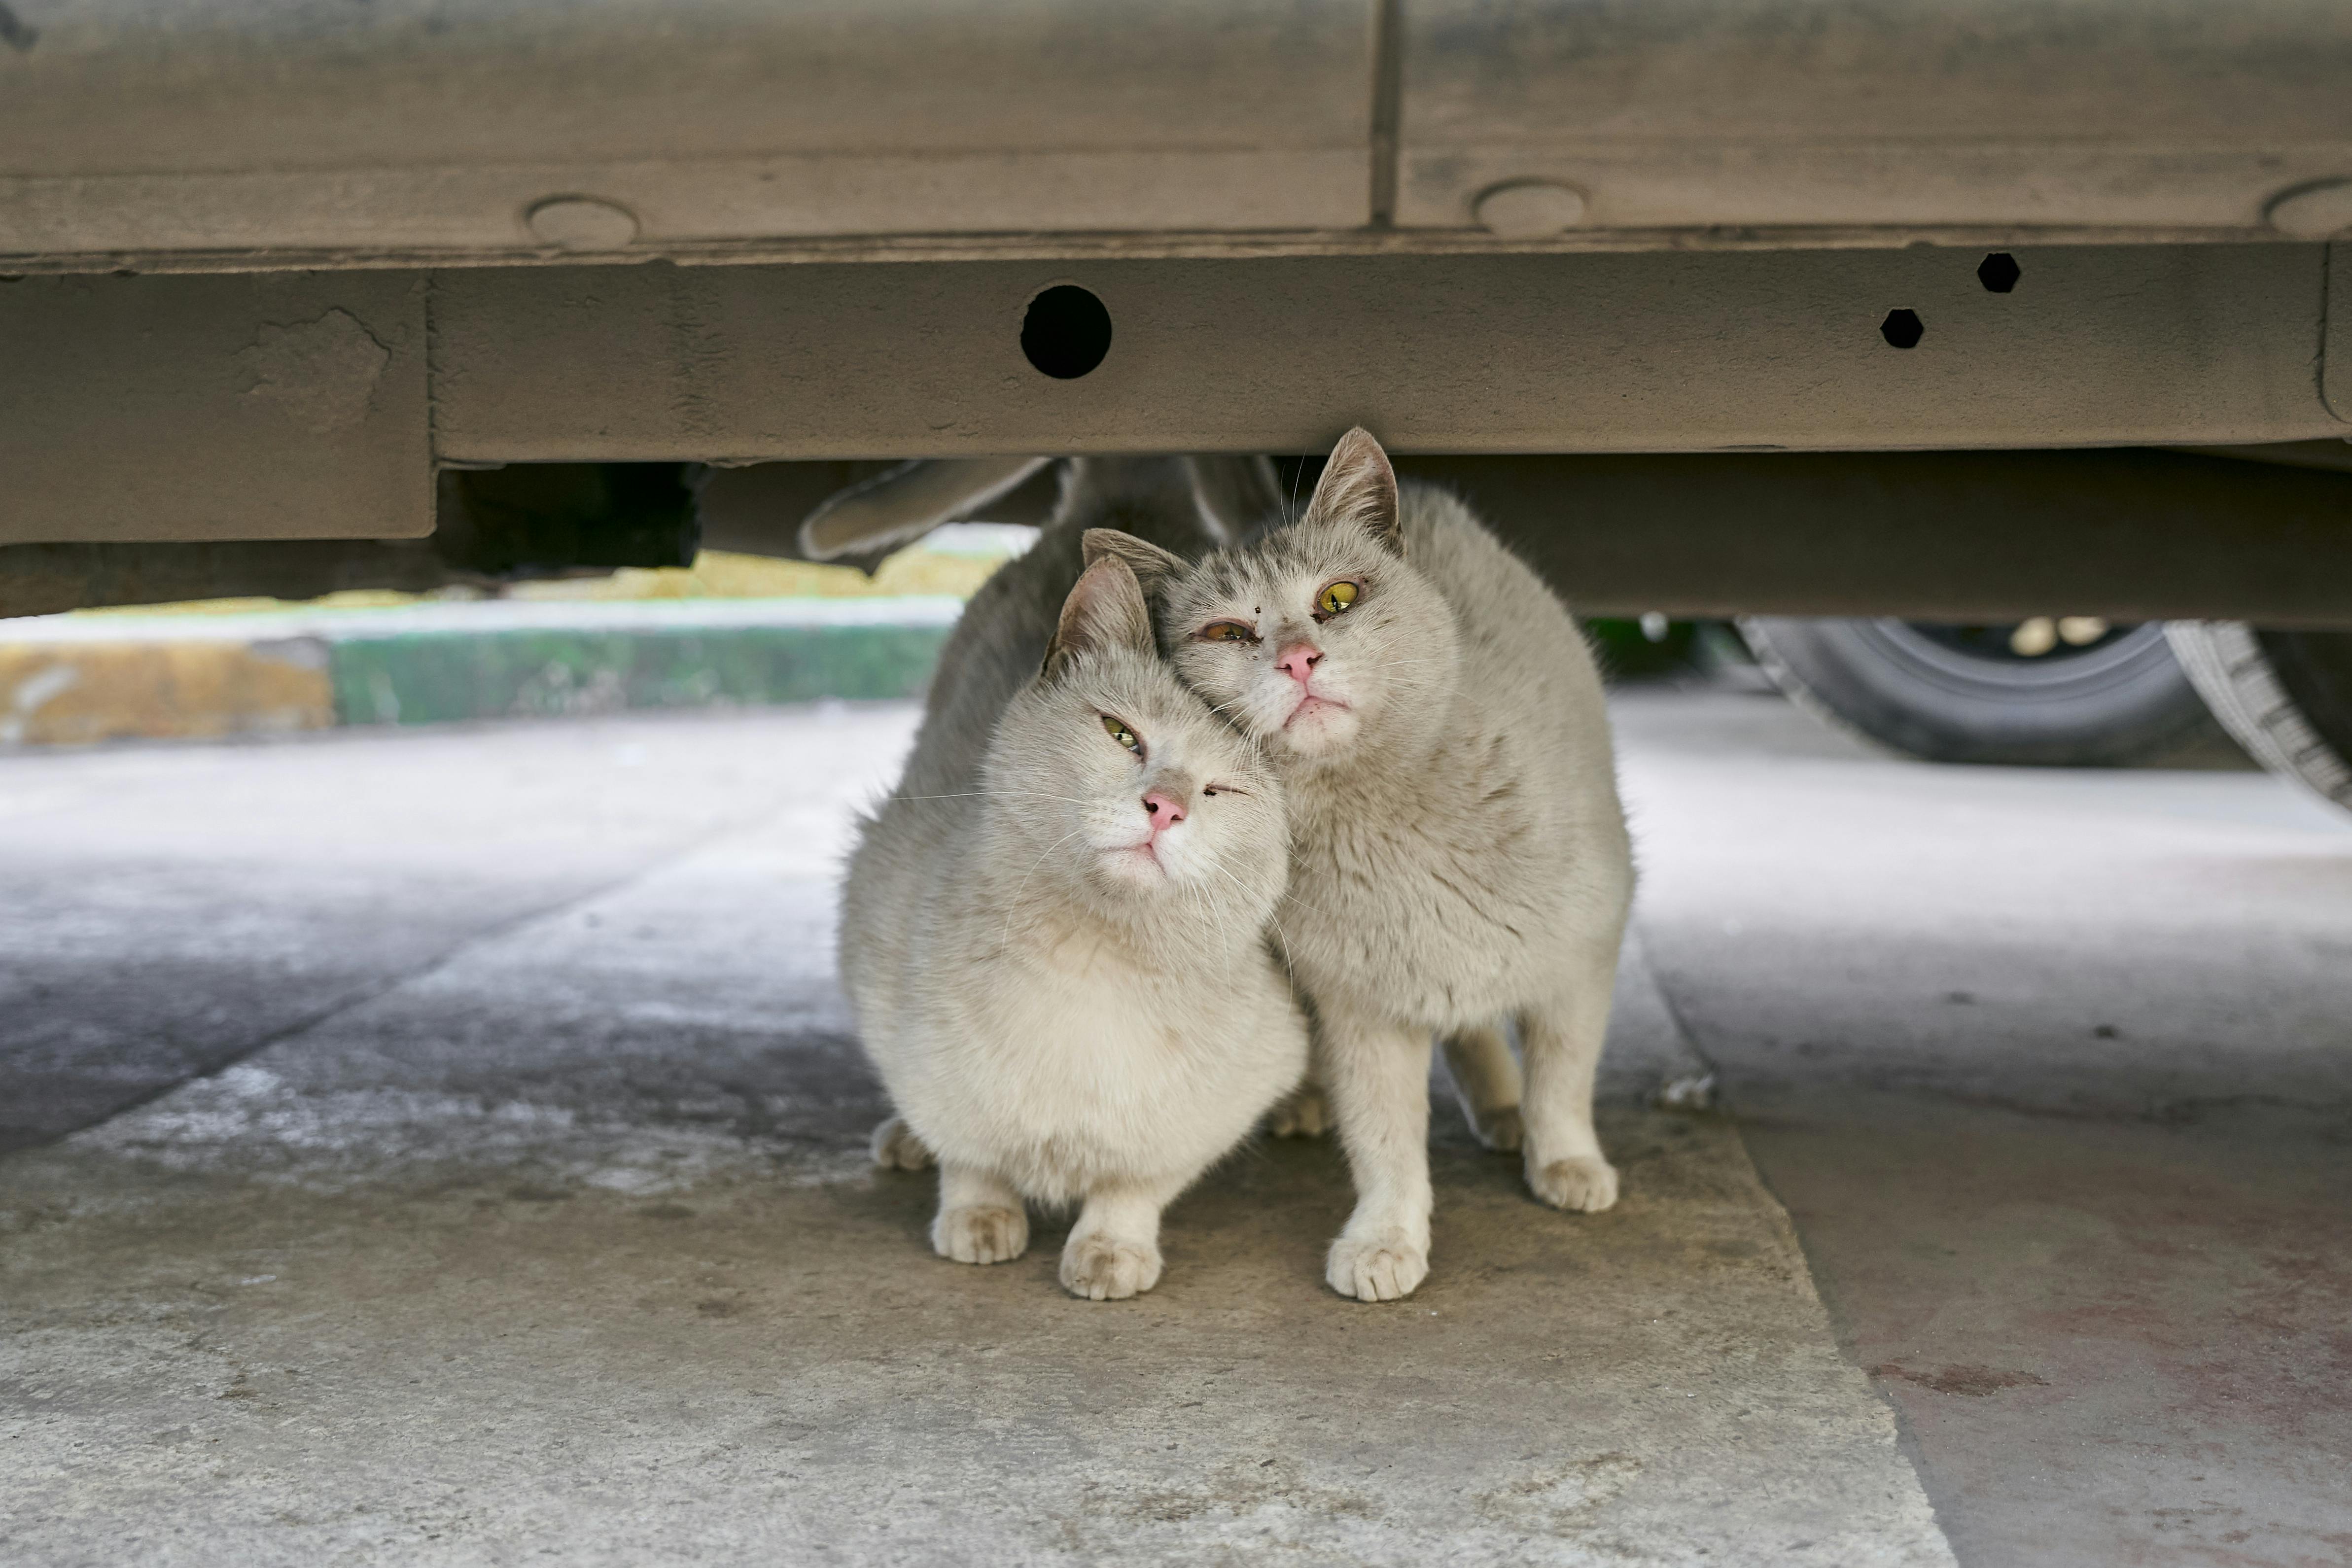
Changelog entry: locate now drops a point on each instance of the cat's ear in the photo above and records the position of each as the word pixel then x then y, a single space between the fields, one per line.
pixel 1104 610
pixel 1151 565
pixel 1359 488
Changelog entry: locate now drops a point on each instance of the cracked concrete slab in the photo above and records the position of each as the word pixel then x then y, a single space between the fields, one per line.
pixel 561 1243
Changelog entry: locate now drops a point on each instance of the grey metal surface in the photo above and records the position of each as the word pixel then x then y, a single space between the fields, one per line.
pixel 240 133
pixel 41 580
pixel 1790 113
pixel 2099 345
pixel 2129 535
pixel 180 407
pixel 262 406
pixel 2336 342
pixel 141 126
pixel 565 1245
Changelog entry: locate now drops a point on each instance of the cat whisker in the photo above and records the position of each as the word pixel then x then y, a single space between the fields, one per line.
pixel 1003 794
pixel 1271 921
pixel 1014 904
pixel 1315 908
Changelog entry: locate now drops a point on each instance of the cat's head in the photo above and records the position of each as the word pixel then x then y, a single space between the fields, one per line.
pixel 1119 781
pixel 1316 638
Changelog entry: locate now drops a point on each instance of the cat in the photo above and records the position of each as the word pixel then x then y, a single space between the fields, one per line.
pixel 1459 856
pixel 1053 935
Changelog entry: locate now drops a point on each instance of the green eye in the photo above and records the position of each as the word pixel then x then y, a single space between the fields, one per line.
pixel 1121 733
pixel 1227 631
pixel 1336 598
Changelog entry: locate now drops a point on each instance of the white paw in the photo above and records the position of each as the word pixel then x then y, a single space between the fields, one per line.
pixel 1105 1269
pixel 1498 1129
pixel 980 1235
pixel 895 1148
pixel 1587 1183
pixel 1384 1267
pixel 1304 1115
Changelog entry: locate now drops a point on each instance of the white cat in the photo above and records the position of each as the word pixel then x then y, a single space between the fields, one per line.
pixel 1053 935
pixel 1459 857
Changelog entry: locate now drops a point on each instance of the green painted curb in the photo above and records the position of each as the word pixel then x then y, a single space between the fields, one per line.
pixel 435 677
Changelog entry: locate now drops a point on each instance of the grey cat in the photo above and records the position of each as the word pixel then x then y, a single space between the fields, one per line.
pixel 1458 854
pixel 1053 934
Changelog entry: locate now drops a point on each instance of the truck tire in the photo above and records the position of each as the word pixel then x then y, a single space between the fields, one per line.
pixel 2113 696
pixel 2285 696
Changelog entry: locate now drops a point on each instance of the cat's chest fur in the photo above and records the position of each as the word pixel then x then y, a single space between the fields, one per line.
pixel 1418 894
pixel 1066 1063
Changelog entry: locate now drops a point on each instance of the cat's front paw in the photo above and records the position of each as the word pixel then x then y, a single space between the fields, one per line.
pixel 1587 1183
pixel 981 1234
pixel 1105 1269
pixel 1383 1267
pixel 897 1148
pixel 1306 1114
pixel 1499 1129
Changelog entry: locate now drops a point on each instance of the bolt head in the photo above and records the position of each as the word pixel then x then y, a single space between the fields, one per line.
pixel 582 222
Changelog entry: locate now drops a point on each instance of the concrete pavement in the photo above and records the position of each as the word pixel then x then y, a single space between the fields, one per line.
pixel 2053 1071
pixel 523 1214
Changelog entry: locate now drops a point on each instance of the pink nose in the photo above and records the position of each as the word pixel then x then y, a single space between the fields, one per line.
pixel 1298 661
pixel 1164 811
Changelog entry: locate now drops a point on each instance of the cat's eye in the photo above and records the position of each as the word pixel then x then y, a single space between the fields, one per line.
pixel 1226 631
pixel 1335 597
pixel 1120 732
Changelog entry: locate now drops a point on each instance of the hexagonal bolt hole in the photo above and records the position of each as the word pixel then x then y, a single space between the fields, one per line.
pixel 1999 272
pixel 1066 332
pixel 1902 328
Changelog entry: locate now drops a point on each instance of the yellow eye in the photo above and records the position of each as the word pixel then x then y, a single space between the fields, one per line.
pixel 1121 733
pixel 1227 631
pixel 1336 598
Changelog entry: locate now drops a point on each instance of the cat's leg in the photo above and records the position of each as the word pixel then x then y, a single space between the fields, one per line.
pixel 1563 1039
pixel 1306 1111
pixel 1113 1251
pixel 896 1147
pixel 1486 1080
pixel 1305 1114
pixel 981 1217
pixel 1377 1076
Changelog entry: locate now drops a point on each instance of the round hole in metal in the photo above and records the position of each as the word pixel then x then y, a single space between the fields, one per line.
pixel 1066 332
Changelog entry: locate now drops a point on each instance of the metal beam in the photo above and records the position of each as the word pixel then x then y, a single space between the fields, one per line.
pixel 267 405
pixel 43 580
pixel 239 134
pixel 2127 534
pixel 2181 345
pixel 2130 535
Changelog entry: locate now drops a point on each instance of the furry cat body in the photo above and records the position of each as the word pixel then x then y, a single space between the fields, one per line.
pixel 1056 1018
pixel 1459 856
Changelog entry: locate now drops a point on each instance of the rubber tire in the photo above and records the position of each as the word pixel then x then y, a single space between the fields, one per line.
pixel 2125 702
pixel 2285 696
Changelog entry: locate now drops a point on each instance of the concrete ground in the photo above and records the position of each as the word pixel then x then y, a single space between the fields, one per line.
pixel 443 1147
pixel 2053 1071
